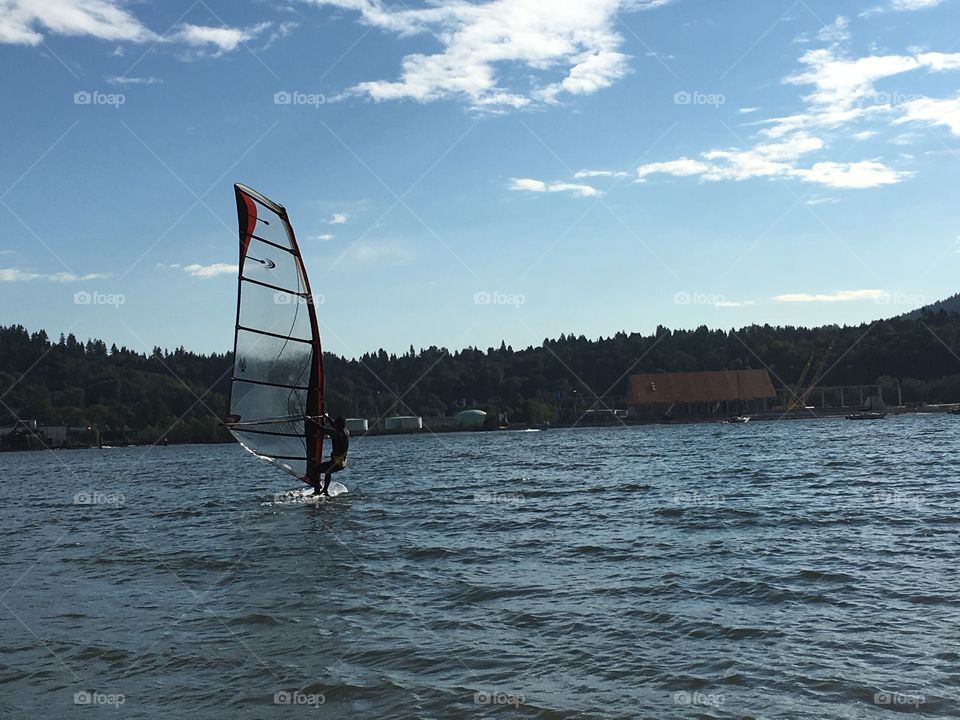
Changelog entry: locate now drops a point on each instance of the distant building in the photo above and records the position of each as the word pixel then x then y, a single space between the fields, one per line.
pixel 719 392
pixel 403 423
pixel 357 425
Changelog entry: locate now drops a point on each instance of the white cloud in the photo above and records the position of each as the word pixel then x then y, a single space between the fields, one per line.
pixel 843 93
pixel 22 21
pixel 835 32
pixel 734 303
pixel 600 173
pixel 26 22
pixel 17 275
pixel 854 175
pixel 933 112
pixel 325 237
pixel 901 6
pixel 538 186
pixel 821 200
pixel 209 271
pixel 208 41
pixel 124 80
pixel 838 296
pixel 747 110
pixel 576 37
pixel 338 219
pixel 684 167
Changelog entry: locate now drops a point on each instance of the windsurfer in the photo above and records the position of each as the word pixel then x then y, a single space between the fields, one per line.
pixel 339 436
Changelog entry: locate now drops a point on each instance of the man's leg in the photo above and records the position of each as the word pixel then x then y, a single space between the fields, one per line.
pixel 326 482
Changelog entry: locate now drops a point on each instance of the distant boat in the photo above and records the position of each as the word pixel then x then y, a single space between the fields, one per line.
pixel 866 416
pixel 740 419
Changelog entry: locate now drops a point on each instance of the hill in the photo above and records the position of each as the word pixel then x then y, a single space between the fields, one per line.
pixel 183 395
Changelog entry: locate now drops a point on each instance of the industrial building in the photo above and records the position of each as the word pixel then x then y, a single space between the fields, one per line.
pixel 699 394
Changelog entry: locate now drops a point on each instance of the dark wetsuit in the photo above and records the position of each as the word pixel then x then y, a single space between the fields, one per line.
pixel 338 454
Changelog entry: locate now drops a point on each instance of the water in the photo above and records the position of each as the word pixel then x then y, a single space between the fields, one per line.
pixel 771 570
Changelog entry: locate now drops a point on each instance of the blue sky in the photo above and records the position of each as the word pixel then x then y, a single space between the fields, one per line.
pixel 460 173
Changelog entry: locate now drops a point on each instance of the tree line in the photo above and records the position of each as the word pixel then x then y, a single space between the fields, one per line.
pixel 183 395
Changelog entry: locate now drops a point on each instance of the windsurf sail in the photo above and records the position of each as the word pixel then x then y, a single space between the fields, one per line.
pixel 277 390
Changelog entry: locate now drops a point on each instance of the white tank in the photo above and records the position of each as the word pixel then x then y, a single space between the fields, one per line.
pixel 403 422
pixel 470 419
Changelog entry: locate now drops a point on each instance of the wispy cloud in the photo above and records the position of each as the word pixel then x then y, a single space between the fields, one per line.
pixel 903 6
pixel 27 22
pixel 209 41
pixel 324 237
pixel 477 39
pixel 124 80
pixel 539 186
pixel 22 22
pixel 600 173
pixel 842 93
pixel 18 275
pixel 338 219
pixel 210 271
pixel 838 296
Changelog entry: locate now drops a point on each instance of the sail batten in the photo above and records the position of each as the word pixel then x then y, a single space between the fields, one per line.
pixel 277 387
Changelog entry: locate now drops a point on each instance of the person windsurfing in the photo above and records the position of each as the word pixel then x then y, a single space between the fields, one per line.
pixel 340 439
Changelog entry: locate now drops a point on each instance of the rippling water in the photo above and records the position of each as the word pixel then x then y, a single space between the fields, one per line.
pixel 802 569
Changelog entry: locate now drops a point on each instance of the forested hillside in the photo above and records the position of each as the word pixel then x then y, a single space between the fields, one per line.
pixel 184 395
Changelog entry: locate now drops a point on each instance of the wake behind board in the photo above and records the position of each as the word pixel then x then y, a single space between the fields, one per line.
pixel 301 496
